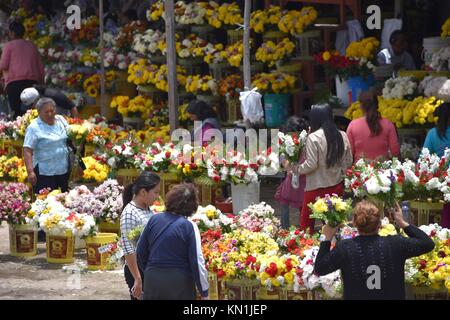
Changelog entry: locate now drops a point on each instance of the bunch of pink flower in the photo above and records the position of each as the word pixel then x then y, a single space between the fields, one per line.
pixel 259 218
pixel 15 202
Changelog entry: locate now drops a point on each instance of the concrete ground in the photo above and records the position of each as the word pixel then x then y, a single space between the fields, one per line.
pixel 33 278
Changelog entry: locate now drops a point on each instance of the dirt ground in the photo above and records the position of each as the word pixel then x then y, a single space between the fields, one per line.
pixel 35 279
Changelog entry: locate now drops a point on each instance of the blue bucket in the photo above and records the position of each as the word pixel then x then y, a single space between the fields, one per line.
pixel 360 84
pixel 276 109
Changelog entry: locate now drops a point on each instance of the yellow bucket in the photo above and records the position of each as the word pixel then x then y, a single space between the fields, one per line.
pixel 22 240
pixel 95 259
pixel 107 227
pixel 60 248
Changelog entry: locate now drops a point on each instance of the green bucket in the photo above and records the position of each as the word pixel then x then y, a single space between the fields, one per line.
pixel 276 109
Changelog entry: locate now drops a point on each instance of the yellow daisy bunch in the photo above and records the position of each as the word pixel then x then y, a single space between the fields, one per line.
pixel 260 18
pixel 446 29
pixel 139 106
pixel 274 82
pixel 120 103
pixel 366 48
pixel 158 77
pixel 156 11
pixel 271 52
pixel 78 133
pixel 95 170
pixel 295 22
pixel 139 73
pixel 89 57
pixel 230 13
pixel 235 53
pixel 201 84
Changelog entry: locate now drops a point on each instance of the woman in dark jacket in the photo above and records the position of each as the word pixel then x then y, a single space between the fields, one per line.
pixel 169 250
pixel 372 266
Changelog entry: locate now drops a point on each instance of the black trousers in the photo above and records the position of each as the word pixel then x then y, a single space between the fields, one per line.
pixel 129 279
pixel 13 90
pixel 168 284
pixel 52 182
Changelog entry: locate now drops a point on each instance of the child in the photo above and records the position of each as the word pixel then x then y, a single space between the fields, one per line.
pixel 286 194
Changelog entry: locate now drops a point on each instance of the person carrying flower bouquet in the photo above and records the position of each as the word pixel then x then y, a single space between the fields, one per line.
pixel 137 199
pixel 286 194
pixel 327 157
pixel 372 137
pixel 372 266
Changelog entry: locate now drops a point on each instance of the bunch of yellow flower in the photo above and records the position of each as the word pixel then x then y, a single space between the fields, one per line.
pixel 260 18
pixel 215 54
pixel 159 77
pixel 158 134
pixel 402 112
pixel 95 170
pixel 295 22
pixel 12 169
pixel 137 107
pixel 446 29
pixel 230 13
pixel 212 13
pixel 30 25
pixel 156 11
pixel 182 113
pixel 78 133
pixel 43 42
pixel 201 84
pixel 277 271
pixel 89 57
pixel 270 52
pixel 387 228
pixel 26 119
pixel 274 82
pixel 139 72
pixel 235 53
pixel 92 84
pixel 366 48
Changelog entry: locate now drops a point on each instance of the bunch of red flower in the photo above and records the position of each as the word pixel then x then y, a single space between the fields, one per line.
pixel 296 241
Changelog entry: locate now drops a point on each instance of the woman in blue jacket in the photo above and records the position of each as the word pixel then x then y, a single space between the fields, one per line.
pixel 169 250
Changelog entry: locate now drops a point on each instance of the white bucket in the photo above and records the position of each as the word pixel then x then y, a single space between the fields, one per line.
pixel 431 46
pixel 244 196
pixel 342 91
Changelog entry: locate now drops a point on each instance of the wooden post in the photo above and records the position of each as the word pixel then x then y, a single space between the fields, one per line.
pixel 171 64
pixel 247 70
pixel 103 106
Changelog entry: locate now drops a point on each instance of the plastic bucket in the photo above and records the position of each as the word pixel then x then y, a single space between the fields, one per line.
pixel 95 259
pixel 276 108
pixel 60 248
pixel 431 46
pixel 359 84
pixel 107 227
pixel 22 240
pixel 244 195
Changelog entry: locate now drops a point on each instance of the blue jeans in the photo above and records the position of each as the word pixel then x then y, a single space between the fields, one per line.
pixel 285 217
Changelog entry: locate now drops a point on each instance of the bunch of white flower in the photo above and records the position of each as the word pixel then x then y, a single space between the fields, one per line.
pixel 399 88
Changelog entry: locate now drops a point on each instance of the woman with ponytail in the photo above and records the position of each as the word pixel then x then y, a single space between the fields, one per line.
pixel 327 157
pixel 372 266
pixel 137 199
pixel 372 137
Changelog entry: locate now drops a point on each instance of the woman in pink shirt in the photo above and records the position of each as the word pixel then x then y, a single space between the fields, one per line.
pixel 372 137
pixel 21 65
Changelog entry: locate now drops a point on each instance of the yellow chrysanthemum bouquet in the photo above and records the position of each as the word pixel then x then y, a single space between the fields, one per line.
pixel 295 22
pixel 137 107
pixel 261 18
pixel 333 210
pixel 274 82
pixel 92 84
pixel 95 171
pixel 230 14
pixel 198 84
pixel 271 52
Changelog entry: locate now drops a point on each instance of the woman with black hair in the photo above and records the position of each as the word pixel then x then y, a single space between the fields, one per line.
pixel 436 141
pixel 137 199
pixel 201 111
pixel 327 157
pixel 372 137
pixel 169 251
